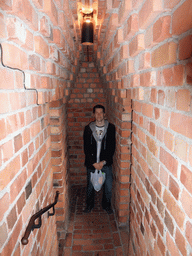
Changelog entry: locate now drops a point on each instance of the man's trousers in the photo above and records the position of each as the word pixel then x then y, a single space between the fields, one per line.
pixel 107 188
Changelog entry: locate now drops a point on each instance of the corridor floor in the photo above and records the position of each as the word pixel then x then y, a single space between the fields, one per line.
pixel 92 234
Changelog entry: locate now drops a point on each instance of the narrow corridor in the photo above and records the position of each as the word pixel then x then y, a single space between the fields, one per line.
pixel 139 67
pixel 92 234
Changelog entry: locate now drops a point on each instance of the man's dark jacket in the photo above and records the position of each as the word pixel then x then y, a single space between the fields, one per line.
pixel 107 147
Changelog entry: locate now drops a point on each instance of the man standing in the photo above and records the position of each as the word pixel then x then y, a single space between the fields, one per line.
pixel 99 148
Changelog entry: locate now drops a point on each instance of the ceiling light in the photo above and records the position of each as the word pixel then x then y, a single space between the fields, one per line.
pixel 87 27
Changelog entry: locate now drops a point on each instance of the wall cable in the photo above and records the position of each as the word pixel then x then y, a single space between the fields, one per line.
pixel 5 66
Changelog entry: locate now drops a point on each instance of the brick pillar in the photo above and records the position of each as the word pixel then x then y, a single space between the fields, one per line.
pixel 120 113
pixel 59 162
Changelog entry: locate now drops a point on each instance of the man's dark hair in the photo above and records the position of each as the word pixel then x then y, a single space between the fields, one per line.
pixel 98 106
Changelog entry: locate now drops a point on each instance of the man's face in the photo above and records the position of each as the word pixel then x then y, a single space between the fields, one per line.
pixel 99 114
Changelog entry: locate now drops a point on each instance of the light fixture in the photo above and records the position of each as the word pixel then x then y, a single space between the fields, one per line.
pixel 87 29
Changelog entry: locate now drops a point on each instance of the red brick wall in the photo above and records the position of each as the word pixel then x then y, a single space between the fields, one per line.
pixel 86 93
pixel 26 175
pixel 35 76
pixel 147 54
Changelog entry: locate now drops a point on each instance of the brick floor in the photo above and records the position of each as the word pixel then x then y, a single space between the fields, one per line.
pixel 92 234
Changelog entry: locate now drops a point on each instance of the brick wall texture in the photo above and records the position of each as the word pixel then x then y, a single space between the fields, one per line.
pixel 36 71
pixel 140 68
pixel 146 63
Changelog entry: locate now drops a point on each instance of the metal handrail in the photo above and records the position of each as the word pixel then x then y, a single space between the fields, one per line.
pixel 31 226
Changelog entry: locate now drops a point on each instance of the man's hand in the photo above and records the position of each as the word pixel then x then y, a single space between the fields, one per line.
pixel 99 165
